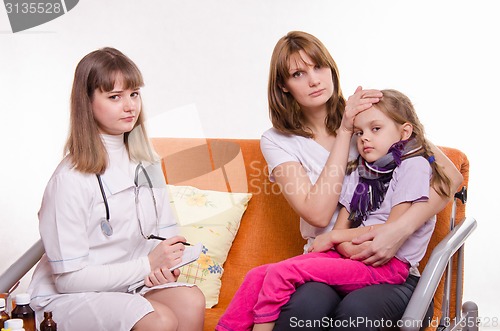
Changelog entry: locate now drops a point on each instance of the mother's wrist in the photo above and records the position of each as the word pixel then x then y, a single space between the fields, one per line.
pixel 404 228
pixel 342 130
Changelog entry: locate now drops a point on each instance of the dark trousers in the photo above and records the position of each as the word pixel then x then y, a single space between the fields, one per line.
pixel 317 306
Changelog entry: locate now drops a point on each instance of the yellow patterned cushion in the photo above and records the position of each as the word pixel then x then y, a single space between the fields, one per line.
pixel 212 218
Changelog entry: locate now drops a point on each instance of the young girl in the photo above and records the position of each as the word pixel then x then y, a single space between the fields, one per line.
pixel 307 152
pixel 100 206
pixel 392 173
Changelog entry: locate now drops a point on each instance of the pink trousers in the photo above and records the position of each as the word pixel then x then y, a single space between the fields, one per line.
pixel 267 288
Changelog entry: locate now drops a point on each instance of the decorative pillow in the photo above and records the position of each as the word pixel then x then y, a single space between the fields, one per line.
pixel 212 218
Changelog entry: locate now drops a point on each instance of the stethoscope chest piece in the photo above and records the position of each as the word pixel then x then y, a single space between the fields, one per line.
pixel 106 227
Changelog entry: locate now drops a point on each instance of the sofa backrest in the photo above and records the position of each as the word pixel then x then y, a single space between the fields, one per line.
pixel 269 230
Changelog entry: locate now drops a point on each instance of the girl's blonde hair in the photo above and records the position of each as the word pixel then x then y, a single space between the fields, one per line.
pixel 284 110
pixel 99 70
pixel 399 108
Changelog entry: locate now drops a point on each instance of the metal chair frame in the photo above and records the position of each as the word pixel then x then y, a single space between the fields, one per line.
pixel 440 261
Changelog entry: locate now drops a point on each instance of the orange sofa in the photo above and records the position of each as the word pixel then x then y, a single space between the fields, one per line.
pixel 269 229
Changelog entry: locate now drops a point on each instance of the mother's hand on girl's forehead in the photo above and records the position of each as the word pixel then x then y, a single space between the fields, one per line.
pixel 360 101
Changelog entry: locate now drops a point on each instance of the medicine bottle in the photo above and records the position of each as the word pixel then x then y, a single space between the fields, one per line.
pixel 14 324
pixel 3 314
pixel 24 311
pixel 48 323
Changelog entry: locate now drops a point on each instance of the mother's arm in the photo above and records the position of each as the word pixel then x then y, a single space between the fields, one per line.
pixel 386 240
pixel 342 234
pixel 317 202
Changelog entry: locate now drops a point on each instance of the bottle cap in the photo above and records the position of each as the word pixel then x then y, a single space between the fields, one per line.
pixel 13 323
pixel 2 303
pixel 22 299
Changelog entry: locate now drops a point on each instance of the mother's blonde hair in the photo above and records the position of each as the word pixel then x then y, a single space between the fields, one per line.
pixel 99 70
pixel 284 110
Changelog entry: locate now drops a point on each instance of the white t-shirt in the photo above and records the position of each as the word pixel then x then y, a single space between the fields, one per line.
pixel 279 148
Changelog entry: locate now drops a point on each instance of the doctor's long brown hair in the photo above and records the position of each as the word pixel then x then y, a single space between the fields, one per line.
pixel 99 70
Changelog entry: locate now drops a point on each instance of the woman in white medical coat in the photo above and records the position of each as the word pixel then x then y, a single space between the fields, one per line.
pixel 104 200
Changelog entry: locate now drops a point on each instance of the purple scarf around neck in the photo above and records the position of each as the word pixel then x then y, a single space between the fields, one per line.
pixel 374 179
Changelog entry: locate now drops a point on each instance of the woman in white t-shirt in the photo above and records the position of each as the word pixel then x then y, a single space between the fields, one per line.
pixel 104 200
pixel 392 172
pixel 307 151
pixel 310 116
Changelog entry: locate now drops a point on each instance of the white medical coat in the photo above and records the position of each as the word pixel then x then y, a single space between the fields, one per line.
pixel 70 222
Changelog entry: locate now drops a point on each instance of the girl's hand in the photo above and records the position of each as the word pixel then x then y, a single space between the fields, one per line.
pixel 166 254
pixel 360 101
pixel 322 243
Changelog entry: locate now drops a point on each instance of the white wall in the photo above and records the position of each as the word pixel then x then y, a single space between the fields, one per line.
pixel 209 59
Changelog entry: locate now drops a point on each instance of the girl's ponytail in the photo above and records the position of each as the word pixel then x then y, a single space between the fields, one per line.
pixel 440 182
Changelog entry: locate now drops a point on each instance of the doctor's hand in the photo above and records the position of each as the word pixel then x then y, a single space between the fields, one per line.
pixel 161 276
pixel 166 254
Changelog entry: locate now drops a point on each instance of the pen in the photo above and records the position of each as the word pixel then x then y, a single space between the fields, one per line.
pixel 152 236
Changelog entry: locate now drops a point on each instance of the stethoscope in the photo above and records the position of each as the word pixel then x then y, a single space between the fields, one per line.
pixel 106 227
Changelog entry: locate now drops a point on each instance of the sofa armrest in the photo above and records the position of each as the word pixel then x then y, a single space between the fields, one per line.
pixel 21 266
pixel 434 270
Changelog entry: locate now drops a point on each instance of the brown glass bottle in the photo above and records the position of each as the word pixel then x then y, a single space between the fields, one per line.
pixel 3 314
pixel 24 312
pixel 48 323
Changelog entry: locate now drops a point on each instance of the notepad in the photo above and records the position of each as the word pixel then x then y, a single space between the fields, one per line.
pixel 190 254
